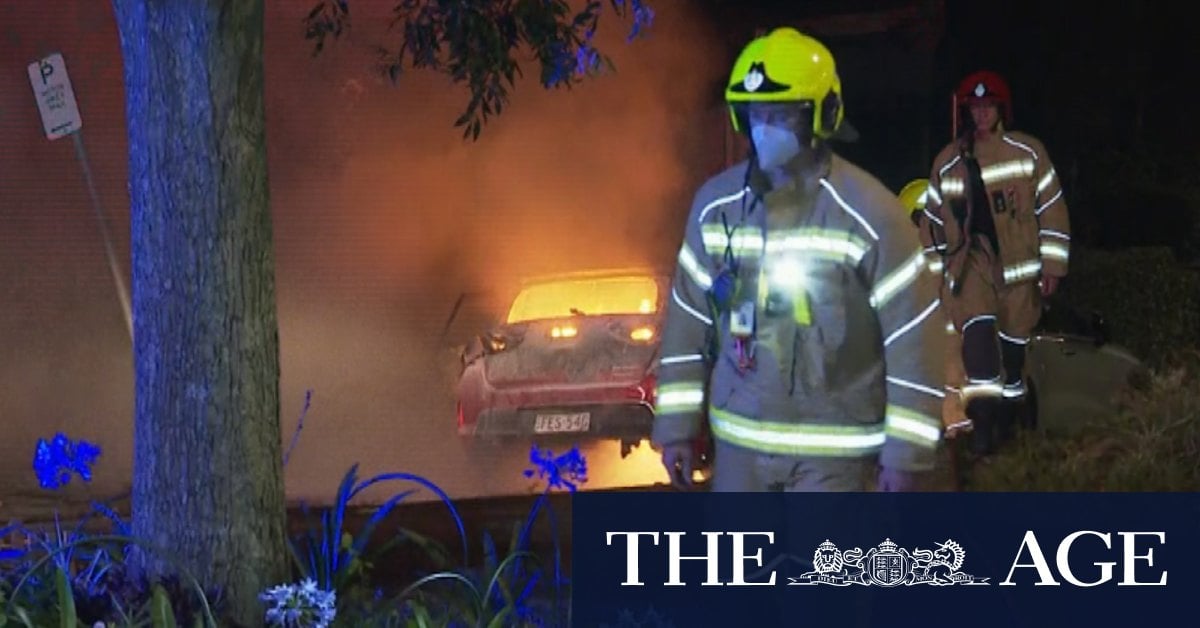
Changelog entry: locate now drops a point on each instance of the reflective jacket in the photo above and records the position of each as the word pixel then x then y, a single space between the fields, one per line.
pixel 848 347
pixel 1024 196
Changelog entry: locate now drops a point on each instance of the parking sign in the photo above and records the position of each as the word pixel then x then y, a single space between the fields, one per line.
pixel 55 98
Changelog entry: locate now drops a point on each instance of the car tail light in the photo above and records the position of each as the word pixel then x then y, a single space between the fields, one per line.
pixel 564 331
pixel 645 333
pixel 496 343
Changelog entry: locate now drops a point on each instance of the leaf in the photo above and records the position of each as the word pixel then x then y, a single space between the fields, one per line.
pixel 23 615
pixel 161 613
pixel 498 620
pixel 66 600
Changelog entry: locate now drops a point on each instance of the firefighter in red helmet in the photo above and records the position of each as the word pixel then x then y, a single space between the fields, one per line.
pixel 995 212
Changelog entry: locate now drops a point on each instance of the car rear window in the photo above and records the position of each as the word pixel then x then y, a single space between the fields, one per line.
pixel 591 297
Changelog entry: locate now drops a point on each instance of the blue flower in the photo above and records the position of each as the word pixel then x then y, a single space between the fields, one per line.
pixel 301 604
pixel 565 471
pixel 54 461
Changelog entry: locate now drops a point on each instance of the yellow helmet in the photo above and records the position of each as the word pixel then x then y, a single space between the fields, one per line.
pixel 913 195
pixel 787 66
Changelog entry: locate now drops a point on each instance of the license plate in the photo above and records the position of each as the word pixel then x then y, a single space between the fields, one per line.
pixel 549 423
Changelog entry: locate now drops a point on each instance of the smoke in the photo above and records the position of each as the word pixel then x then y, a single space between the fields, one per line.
pixel 383 216
pixel 592 177
pixel 386 215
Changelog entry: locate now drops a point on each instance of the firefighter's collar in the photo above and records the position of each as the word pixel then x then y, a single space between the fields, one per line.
pixel 806 176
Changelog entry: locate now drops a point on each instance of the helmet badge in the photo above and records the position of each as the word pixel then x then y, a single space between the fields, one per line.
pixel 754 78
pixel 980 90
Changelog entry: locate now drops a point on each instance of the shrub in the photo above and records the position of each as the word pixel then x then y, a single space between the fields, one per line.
pixel 1151 444
pixel 71 578
pixel 1151 302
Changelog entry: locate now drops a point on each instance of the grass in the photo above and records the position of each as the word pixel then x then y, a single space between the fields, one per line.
pixel 1151 444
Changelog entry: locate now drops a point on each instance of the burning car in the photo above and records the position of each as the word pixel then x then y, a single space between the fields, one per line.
pixel 574 356
pixel 574 359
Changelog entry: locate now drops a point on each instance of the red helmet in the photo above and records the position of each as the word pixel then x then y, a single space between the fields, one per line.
pixel 986 86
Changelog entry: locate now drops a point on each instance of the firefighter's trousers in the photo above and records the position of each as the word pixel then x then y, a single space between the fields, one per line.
pixel 995 321
pixel 954 417
pixel 736 469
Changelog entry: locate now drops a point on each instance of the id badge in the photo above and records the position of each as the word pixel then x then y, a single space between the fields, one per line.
pixel 741 320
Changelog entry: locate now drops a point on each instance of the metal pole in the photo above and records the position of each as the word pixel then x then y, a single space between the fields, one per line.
pixel 113 266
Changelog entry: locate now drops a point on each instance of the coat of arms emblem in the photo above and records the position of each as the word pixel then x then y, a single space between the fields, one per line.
pixel 888 565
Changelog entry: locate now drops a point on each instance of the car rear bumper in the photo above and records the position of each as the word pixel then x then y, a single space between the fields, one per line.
pixel 616 420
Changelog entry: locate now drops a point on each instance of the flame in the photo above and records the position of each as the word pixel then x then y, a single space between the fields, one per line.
pixel 606 468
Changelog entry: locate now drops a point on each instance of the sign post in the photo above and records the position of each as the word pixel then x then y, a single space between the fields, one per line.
pixel 60 117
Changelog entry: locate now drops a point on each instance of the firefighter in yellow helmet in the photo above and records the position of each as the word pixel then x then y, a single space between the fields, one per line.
pixel 996 213
pixel 799 321
pixel 954 417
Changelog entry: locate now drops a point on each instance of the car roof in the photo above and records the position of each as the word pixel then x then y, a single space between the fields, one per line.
pixel 635 271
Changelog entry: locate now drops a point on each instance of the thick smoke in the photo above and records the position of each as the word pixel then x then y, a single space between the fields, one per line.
pixel 383 217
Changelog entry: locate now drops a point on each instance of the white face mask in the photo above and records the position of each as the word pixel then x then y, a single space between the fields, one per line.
pixel 775 146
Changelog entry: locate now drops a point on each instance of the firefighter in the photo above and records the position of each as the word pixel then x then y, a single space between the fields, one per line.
pixel 799 322
pixel 954 418
pixel 995 211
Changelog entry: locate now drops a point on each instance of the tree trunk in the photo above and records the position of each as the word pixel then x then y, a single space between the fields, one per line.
pixel 208 481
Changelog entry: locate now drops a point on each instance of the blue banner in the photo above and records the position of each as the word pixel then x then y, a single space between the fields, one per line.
pixel 884 559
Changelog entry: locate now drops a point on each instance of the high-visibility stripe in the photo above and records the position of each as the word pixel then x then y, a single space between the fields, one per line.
pixel 928 390
pixel 1056 235
pixel 1022 271
pixel 833 244
pixel 910 325
pixel 692 266
pixel 1021 145
pixel 746 241
pixel 953 186
pixel 898 280
pixel 797 439
pixel 1007 170
pixel 668 360
pixel 679 398
pixel 1014 390
pixel 689 309
pixel 1045 182
pixel 982 388
pixel 931 192
pixel 1047 204
pixel 1013 339
pixel 848 209
pixel 913 427
pixel 1056 252
pixel 724 200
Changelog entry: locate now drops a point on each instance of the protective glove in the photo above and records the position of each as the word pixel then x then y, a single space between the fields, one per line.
pixel 897 481
pixel 678 459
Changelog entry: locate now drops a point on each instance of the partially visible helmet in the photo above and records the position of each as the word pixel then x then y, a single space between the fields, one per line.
pixel 913 196
pixel 787 66
pixel 986 86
